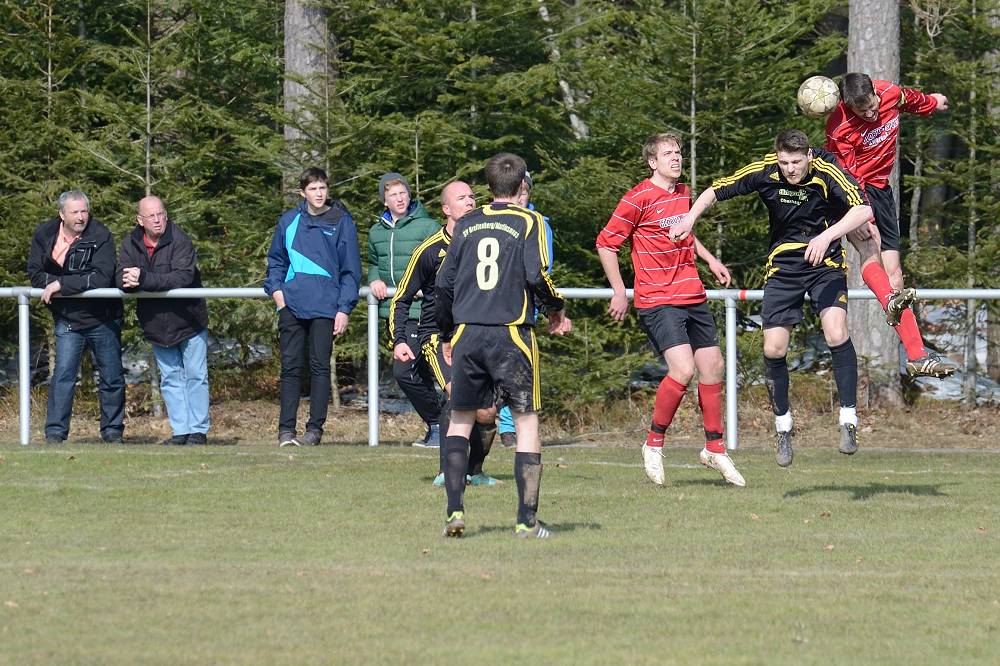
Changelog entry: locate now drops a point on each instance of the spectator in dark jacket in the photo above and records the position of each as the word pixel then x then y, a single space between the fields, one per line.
pixel 159 256
pixel 69 255
pixel 313 275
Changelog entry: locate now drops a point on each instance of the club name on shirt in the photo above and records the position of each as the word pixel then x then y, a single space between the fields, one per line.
pixel 794 197
pixel 670 221
pixel 491 226
pixel 873 137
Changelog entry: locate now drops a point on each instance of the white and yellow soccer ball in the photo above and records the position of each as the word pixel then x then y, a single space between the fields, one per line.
pixel 818 96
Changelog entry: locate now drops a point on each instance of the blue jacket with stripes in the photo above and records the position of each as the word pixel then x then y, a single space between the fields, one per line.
pixel 315 262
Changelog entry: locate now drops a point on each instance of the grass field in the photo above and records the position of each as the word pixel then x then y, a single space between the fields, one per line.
pixel 254 555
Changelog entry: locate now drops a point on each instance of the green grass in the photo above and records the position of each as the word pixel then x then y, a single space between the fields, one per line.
pixel 255 555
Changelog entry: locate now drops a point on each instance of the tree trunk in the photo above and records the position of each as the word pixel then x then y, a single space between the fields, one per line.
pixel 970 279
pixel 307 75
pixel 873 48
pixel 993 342
pixel 580 129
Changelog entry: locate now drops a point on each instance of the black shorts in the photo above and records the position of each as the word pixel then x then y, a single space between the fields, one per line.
pixel 884 208
pixel 671 325
pixel 495 365
pixel 433 357
pixel 785 290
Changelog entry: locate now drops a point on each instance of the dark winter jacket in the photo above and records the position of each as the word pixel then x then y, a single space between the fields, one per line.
pixel 315 262
pixel 89 264
pixel 390 248
pixel 174 265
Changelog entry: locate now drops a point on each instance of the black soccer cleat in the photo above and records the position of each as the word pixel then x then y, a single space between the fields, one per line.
pixel 898 302
pixel 929 365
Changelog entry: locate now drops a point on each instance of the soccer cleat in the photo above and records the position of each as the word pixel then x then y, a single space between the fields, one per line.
pixel 455 526
pixel 431 440
pixel 848 439
pixel 287 439
pixel 539 531
pixel 722 463
pixel 929 365
pixel 311 438
pixel 508 439
pixel 897 304
pixel 783 449
pixel 481 479
pixel 438 480
pixel 652 459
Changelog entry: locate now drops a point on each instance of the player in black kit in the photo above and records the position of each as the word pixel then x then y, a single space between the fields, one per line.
pixel 486 292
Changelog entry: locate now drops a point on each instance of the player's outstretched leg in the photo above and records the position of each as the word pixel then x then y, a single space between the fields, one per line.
pixel 919 362
pixel 714 454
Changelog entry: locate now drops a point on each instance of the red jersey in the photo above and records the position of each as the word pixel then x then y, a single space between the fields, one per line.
pixel 665 272
pixel 868 149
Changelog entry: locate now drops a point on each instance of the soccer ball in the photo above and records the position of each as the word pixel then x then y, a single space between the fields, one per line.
pixel 818 96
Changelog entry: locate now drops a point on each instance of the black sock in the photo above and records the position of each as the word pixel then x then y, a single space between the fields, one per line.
pixel 456 460
pixel 845 373
pixel 479 446
pixel 476 455
pixel 444 421
pixel 776 378
pixel 528 474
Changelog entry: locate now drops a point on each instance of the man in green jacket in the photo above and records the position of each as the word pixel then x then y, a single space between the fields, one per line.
pixel 403 225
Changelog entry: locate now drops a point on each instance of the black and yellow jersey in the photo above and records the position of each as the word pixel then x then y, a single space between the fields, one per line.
pixel 797 213
pixel 495 269
pixel 418 277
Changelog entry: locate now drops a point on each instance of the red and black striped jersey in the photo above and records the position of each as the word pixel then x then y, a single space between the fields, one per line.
pixel 665 271
pixel 495 269
pixel 868 149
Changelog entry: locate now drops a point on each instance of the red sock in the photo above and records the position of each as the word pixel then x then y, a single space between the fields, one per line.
pixel 710 401
pixel 668 397
pixel 878 281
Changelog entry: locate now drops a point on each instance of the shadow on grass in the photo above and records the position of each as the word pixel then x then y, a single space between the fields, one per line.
pixel 557 528
pixel 870 490
pixel 719 481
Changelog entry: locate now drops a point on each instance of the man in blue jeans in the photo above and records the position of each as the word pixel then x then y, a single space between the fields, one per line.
pixel 313 275
pixel 69 255
pixel 158 256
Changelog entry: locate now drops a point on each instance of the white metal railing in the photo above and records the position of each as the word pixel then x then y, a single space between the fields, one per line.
pixel 730 296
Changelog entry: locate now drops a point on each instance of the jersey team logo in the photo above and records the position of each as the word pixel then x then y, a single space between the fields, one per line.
pixel 670 221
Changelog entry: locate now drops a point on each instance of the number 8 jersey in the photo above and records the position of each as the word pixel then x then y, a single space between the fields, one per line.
pixel 495 269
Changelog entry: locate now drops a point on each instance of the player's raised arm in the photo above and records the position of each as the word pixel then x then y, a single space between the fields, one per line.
pixel 683 229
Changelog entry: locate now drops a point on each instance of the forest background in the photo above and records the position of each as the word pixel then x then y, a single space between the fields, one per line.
pixel 216 106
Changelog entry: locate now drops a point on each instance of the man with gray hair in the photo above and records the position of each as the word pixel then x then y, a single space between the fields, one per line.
pixel 158 256
pixel 69 255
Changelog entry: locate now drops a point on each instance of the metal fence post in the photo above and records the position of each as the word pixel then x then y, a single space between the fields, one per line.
pixel 24 366
pixel 731 424
pixel 372 370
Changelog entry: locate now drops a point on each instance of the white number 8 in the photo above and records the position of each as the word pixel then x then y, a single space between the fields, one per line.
pixel 487 270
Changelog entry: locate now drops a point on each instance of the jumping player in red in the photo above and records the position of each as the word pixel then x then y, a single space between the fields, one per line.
pixel 671 301
pixel 862 132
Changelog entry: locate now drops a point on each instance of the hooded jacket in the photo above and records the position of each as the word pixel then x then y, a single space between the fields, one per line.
pixel 89 264
pixel 174 265
pixel 315 262
pixel 390 247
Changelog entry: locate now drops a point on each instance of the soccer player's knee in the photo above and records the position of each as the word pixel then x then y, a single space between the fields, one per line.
pixel 775 350
pixel 486 415
pixel 836 336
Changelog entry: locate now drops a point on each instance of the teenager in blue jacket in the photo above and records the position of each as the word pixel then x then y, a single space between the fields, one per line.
pixel 313 275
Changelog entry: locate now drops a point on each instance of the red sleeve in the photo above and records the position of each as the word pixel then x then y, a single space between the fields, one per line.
pixel 837 132
pixel 620 226
pixel 914 101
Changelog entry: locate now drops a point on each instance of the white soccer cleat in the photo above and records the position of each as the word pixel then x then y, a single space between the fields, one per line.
pixel 652 458
pixel 722 463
